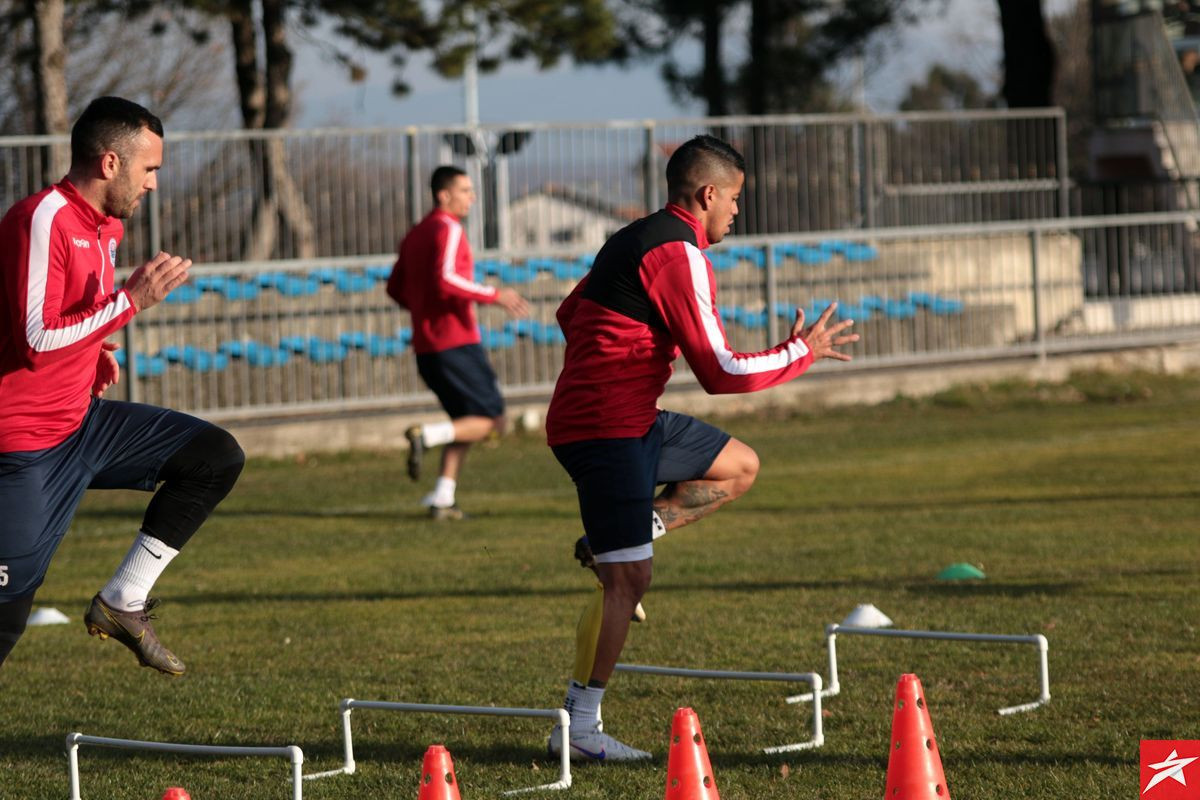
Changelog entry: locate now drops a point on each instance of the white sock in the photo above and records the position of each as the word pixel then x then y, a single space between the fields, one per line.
pixel 583 704
pixel 443 492
pixel 131 583
pixel 657 529
pixel 437 433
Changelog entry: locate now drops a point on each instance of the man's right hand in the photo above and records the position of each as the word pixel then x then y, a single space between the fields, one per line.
pixel 155 279
pixel 821 340
pixel 512 302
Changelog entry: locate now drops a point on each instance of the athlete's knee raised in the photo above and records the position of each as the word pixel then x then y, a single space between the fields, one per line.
pixel 746 473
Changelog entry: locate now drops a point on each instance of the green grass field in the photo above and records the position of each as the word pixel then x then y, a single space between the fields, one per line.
pixel 318 580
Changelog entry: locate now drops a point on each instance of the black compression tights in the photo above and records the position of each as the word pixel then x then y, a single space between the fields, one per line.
pixel 13 616
pixel 194 479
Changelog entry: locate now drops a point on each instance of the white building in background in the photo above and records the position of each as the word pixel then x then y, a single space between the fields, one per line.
pixel 558 216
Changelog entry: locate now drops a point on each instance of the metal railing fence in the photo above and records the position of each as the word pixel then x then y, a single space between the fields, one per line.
pixel 281 337
pixel 236 196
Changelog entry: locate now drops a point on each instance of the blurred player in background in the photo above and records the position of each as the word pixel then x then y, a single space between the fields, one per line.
pixel 434 278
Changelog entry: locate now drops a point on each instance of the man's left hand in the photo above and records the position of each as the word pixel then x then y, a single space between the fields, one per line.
pixel 108 371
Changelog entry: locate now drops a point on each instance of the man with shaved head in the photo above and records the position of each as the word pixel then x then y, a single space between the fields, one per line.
pixel 649 296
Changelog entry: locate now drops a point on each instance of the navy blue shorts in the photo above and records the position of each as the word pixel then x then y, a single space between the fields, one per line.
pixel 463 381
pixel 616 478
pixel 118 446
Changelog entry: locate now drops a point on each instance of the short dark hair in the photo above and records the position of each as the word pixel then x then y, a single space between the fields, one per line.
pixel 443 178
pixel 109 123
pixel 696 161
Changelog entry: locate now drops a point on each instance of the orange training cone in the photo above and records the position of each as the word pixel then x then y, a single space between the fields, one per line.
pixel 176 793
pixel 914 766
pixel 689 775
pixel 437 775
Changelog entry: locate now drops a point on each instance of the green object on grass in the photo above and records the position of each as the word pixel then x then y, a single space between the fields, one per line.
pixel 961 571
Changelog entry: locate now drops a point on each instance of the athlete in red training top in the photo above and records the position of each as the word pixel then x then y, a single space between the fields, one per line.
pixel 649 296
pixel 434 278
pixel 59 436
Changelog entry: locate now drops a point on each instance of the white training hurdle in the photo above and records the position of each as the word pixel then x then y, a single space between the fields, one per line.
pixel 833 631
pixel 810 678
pixel 291 752
pixel 557 714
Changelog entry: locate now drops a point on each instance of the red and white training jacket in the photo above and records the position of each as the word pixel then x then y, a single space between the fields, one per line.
pixel 434 278
pixel 57 305
pixel 649 296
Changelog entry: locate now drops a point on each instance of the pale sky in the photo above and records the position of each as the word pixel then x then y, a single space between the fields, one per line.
pixel 965 36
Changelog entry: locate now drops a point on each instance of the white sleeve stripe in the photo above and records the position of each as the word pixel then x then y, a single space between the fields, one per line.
pixel 450 274
pixel 40 339
pixel 732 363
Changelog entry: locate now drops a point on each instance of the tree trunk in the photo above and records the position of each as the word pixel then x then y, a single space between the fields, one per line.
pixel 1028 55
pixel 757 67
pixel 50 83
pixel 279 209
pixel 251 97
pixel 713 79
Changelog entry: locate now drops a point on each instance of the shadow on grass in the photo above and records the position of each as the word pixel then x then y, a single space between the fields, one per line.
pixel 406 514
pixel 507 592
pixel 923 504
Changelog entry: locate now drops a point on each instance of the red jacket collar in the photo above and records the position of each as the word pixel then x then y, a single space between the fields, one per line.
pixel 86 211
pixel 438 212
pixel 697 228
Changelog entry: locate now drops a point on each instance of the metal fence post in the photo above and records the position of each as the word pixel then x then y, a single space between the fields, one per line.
pixel 868 175
pixel 1064 178
pixel 1039 335
pixel 649 170
pixel 771 290
pixel 413 158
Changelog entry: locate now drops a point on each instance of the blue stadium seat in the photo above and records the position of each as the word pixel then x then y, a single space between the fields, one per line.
pixel 198 360
pixel 754 255
pixel 753 319
pixel 355 339
pixel 860 252
pixel 517 273
pixel 497 340
pixel 234 289
pixel 522 327
pixel 269 280
pixel 545 264
pixel 379 272
pixel 548 333
pixel 786 310
pixel 322 351
pixel 404 334
pixel 723 260
pixel 296 344
pixel 858 313
pixel 182 295
pixel 383 346
pixel 148 366
pixel 941 306
pixel 211 283
pixel 235 348
pixel 893 309
pixel 297 286
pixel 353 283
pixel 261 355
pixel 803 253
pixel 490 266
pixel 571 270
pixel 325 274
